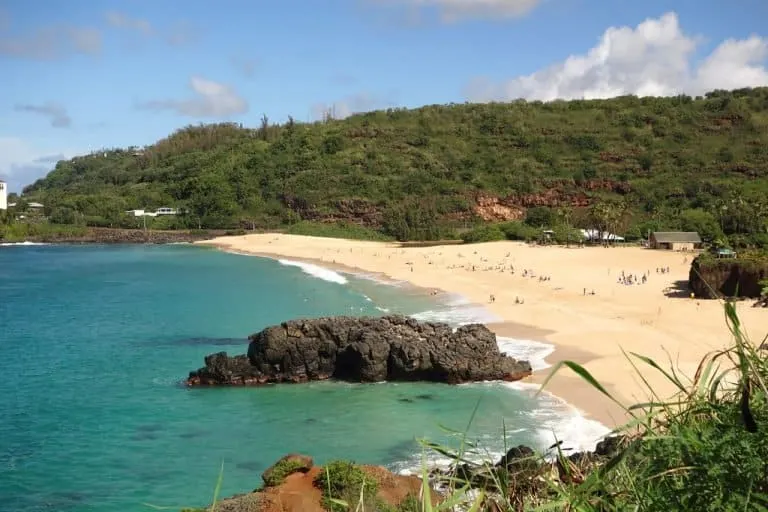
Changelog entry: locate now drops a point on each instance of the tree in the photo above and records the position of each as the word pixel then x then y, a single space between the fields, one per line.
pixel 264 128
pixel 565 214
pixel 211 201
pixel 604 217
pixel 252 209
pixel 63 215
pixel 702 222
pixel 540 217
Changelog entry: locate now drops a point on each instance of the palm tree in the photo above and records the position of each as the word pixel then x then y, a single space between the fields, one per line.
pixel 565 213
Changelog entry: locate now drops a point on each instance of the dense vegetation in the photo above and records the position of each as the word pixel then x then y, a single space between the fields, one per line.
pixel 630 164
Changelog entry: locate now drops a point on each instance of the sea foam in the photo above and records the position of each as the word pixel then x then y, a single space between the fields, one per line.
pixel 535 352
pixel 557 420
pixel 457 311
pixel 560 421
pixel 316 271
pixel 20 244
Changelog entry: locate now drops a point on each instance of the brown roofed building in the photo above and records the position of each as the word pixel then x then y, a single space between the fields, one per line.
pixel 675 240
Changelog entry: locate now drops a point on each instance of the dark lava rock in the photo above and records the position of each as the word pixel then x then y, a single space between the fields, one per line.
pixel 364 349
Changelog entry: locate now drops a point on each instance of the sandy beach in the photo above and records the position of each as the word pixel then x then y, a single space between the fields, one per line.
pixel 546 294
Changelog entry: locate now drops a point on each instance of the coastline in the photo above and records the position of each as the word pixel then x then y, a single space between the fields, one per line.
pixel 593 330
pixel 579 397
pixel 114 236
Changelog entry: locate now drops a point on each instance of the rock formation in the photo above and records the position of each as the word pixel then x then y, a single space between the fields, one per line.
pixel 711 278
pixel 522 471
pixel 298 491
pixel 367 349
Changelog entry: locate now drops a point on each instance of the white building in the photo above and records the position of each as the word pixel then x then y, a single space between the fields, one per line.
pixel 159 211
pixel 3 195
pixel 141 213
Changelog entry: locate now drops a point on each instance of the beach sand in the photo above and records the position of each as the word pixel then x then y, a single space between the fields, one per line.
pixel 657 319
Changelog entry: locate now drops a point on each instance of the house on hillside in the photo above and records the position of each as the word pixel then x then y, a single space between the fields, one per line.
pixel 675 240
pixel 141 213
pixel 159 212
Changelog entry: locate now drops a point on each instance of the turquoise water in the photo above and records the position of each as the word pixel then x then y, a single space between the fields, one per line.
pixel 94 342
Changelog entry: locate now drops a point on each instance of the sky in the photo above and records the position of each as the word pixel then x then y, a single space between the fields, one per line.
pixel 82 75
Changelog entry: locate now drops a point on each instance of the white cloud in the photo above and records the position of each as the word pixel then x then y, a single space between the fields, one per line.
pixel 352 104
pixel 211 99
pixel 245 65
pixel 456 10
pixel 121 20
pixel 21 162
pixel 735 64
pixel 652 59
pixel 52 42
pixel 180 33
pixel 55 113
pixel 5 20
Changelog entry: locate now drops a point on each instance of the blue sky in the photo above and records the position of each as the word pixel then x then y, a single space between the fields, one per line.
pixel 81 75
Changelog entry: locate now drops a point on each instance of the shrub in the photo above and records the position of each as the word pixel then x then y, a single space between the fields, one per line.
pixel 518 231
pixel 345 481
pixel 409 504
pixel 337 230
pixel 282 469
pixel 540 217
pixel 484 233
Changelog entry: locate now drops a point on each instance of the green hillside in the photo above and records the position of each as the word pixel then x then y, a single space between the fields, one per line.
pixel 669 163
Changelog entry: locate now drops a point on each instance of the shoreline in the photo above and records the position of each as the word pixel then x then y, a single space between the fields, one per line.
pixel 595 330
pixel 577 397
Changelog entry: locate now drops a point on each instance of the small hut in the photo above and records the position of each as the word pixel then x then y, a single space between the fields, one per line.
pixel 725 253
pixel 675 240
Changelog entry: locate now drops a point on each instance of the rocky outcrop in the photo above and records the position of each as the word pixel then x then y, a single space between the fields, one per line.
pixel 521 470
pixel 299 492
pixel 286 466
pixel 366 349
pixel 711 277
pixel 559 193
pixel 493 209
pixel 526 473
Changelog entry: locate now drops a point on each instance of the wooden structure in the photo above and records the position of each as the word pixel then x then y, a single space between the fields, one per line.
pixel 675 240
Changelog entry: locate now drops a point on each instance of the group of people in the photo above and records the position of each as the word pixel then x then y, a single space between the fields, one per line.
pixel 630 279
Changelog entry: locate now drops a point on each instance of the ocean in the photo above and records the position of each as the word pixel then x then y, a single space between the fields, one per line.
pixel 95 342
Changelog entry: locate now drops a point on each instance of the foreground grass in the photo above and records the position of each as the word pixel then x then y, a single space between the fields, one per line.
pixel 703 449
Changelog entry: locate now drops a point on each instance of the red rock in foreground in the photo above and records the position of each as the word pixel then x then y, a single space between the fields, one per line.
pixel 298 492
pixel 363 349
